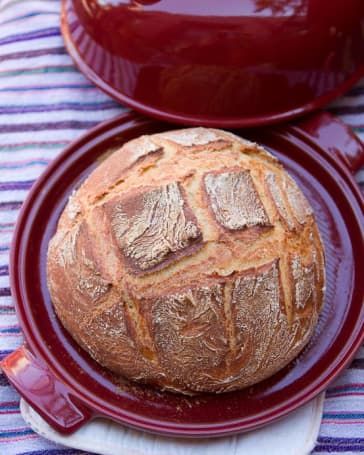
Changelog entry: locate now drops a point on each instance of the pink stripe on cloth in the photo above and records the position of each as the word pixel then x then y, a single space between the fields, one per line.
pixel 18 438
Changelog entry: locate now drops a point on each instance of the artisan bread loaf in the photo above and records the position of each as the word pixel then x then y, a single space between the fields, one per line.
pixel 189 260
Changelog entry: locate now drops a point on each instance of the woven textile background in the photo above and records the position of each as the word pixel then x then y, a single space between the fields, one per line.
pixel 44 104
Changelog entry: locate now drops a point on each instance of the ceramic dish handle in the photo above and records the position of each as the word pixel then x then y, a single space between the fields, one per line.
pixel 335 138
pixel 41 389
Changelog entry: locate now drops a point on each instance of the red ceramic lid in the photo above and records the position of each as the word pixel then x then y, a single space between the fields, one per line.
pixel 67 387
pixel 218 63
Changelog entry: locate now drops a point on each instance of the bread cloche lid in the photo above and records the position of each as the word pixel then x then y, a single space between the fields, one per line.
pixel 212 63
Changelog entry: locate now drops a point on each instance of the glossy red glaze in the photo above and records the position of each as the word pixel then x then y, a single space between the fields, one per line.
pixel 218 63
pixel 49 397
pixel 338 205
pixel 335 137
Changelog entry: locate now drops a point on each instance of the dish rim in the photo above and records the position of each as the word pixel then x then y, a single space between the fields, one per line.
pixel 34 341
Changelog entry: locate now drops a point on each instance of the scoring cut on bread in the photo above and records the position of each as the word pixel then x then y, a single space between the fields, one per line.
pixel 189 260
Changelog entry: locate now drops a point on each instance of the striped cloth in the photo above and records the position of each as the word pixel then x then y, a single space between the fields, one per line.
pixel 44 104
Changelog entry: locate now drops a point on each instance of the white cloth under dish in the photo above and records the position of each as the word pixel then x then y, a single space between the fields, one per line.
pixel 295 434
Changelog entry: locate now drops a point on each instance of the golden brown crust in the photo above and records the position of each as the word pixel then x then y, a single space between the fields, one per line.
pixel 188 329
pixel 154 227
pixel 189 260
pixel 234 199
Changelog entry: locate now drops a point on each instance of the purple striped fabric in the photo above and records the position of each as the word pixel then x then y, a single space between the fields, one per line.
pixel 45 33
pixel 44 104
pixel 18 185
pixel 5 292
pixel 4 270
pixel 56 107
pixel 50 88
pixel 46 126
pixel 15 205
pixel 33 53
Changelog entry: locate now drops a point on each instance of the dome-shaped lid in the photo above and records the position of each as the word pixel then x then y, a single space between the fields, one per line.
pixel 218 63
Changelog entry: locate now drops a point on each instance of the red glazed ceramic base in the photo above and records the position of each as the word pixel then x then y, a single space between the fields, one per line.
pixel 67 387
pixel 223 64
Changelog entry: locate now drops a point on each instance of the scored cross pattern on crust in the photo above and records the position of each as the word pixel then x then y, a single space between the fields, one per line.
pixel 189 260
pixel 153 226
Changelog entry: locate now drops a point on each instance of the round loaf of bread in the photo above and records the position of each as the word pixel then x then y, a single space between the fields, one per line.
pixel 188 260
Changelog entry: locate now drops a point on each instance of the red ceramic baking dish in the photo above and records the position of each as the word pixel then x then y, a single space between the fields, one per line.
pixel 218 63
pixel 68 388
